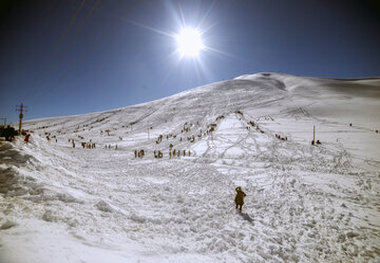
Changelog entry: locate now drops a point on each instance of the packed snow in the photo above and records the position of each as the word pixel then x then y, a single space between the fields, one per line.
pixel 101 202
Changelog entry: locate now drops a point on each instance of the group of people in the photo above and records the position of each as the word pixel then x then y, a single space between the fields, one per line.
pixel 239 198
pixel 8 132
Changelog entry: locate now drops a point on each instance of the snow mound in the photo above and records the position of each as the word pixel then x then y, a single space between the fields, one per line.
pixel 13 182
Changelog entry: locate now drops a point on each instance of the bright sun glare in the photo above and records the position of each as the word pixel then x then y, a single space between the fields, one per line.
pixel 189 42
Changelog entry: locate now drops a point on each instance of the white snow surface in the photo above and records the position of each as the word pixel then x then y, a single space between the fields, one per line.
pixel 304 203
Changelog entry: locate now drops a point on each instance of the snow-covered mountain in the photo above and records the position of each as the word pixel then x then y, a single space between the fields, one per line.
pixel 305 203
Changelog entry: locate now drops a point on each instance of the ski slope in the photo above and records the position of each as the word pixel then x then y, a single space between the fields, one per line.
pixel 304 203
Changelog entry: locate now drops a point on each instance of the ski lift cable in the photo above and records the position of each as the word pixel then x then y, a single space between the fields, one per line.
pixel 97 42
pixel 74 35
pixel 107 32
pixel 59 43
pixel 72 38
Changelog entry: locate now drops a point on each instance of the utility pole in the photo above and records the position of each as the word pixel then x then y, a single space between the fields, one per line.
pixel 20 108
pixel 313 141
pixel 5 121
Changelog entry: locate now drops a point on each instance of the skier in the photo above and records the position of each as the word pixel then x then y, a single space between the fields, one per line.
pixel 239 198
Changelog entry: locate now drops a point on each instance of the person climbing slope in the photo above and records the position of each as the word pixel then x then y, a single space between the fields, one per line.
pixel 239 198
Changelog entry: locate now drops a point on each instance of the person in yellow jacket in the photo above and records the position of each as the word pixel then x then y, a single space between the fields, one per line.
pixel 239 198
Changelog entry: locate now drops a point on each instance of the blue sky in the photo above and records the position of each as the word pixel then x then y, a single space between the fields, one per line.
pixel 73 57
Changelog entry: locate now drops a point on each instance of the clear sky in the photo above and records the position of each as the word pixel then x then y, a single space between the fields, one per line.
pixel 66 57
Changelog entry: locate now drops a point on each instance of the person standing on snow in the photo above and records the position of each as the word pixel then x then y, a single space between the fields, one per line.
pixel 239 198
pixel 27 138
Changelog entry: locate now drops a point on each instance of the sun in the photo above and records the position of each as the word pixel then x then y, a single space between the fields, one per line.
pixel 189 42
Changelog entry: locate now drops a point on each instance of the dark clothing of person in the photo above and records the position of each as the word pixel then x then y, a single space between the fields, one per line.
pixel 239 198
pixel 9 133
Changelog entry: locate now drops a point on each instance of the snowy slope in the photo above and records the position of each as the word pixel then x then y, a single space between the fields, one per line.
pixel 304 203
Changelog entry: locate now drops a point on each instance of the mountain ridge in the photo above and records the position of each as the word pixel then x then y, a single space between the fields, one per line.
pixel 263 76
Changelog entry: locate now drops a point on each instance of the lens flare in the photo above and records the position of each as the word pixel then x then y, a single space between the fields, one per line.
pixel 189 42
